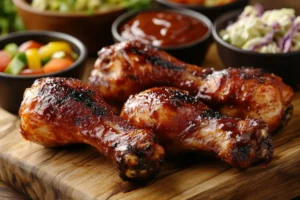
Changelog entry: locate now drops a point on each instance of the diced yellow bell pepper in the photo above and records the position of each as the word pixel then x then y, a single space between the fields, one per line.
pixel 52 47
pixel 33 59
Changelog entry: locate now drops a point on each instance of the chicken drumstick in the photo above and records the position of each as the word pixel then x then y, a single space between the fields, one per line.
pixel 183 123
pixel 131 67
pixel 58 111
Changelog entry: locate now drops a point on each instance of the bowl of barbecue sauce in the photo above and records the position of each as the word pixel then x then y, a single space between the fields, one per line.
pixel 184 34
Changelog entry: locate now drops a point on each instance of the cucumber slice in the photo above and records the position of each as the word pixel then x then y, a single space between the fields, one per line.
pixel 74 55
pixel 16 64
pixel 11 48
pixel 45 61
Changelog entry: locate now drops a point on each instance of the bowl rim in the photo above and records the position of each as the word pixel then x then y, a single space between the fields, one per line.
pixel 205 20
pixel 22 4
pixel 226 18
pixel 60 36
pixel 199 7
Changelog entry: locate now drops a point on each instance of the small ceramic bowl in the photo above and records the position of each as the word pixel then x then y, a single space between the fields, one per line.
pixel 93 30
pixel 12 87
pixel 211 12
pixel 192 53
pixel 281 64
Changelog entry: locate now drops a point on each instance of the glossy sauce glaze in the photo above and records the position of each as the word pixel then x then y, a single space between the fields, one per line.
pixel 57 112
pixel 131 67
pixel 163 28
pixel 182 123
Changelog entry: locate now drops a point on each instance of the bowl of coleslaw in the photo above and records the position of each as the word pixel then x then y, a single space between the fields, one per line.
pixel 264 39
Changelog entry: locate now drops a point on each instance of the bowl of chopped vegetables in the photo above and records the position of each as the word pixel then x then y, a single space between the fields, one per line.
pixel 256 38
pixel 210 8
pixel 88 20
pixel 27 56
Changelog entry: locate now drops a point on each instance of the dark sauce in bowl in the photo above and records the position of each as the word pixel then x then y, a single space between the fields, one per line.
pixel 163 28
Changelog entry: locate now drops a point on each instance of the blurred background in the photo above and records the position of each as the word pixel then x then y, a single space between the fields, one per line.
pixel 271 4
pixel 8 19
pixel 279 3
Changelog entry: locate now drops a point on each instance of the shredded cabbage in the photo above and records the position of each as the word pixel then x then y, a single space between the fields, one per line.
pixel 272 31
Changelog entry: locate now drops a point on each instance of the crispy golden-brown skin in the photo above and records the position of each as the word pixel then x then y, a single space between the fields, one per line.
pixel 182 123
pixel 131 67
pixel 58 111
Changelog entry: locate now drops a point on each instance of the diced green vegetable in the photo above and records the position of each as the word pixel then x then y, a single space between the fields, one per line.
pixel 89 6
pixel 59 54
pixel 80 5
pixel 64 7
pixel 54 5
pixel 11 48
pixel 4 26
pixel 45 60
pixel 40 4
pixel 9 20
pixel 135 4
pixel 94 4
pixel 17 64
pixel 74 55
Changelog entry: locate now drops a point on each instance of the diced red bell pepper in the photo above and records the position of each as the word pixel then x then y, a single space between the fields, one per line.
pixel 5 59
pixel 29 45
pixel 30 72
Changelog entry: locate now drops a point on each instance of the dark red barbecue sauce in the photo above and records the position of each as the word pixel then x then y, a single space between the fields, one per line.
pixel 163 28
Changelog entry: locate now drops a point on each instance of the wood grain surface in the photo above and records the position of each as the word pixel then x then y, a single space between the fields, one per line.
pixel 80 172
pixel 7 193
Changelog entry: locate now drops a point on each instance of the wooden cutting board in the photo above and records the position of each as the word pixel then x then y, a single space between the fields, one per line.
pixel 80 172
pixel 7 193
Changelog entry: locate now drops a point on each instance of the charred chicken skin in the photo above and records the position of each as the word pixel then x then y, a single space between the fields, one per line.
pixel 58 111
pixel 131 67
pixel 182 123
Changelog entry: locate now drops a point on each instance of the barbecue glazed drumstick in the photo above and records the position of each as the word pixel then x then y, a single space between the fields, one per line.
pixel 131 67
pixel 58 111
pixel 183 123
